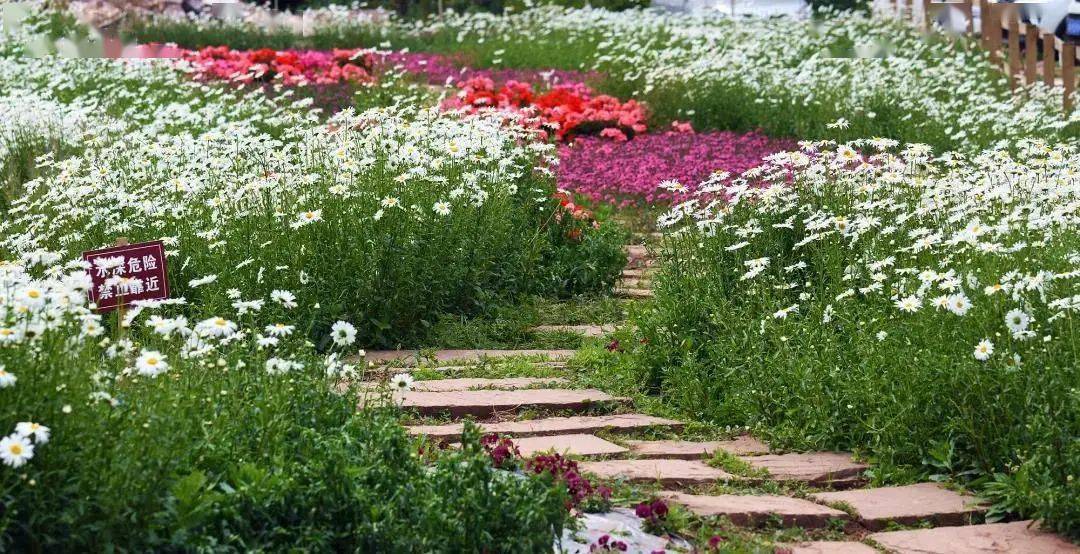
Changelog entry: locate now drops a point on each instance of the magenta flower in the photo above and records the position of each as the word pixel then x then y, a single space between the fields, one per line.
pixel 628 172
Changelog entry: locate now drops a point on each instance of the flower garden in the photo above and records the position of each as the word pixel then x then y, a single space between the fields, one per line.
pixel 556 279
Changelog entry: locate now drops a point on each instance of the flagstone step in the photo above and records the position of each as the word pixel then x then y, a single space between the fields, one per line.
pixel 583 330
pixel 568 445
pixel 641 263
pixel 411 357
pixel 513 383
pixel 907 505
pixel 633 293
pixel 666 472
pixel 830 547
pixel 551 426
pixel 454 368
pixel 750 510
pixel 486 403
pixel 689 450
pixel 639 273
pixel 631 283
pixel 1019 537
pixel 835 469
pixel 637 251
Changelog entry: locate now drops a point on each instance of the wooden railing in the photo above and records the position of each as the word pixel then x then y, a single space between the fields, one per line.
pixel 1040 57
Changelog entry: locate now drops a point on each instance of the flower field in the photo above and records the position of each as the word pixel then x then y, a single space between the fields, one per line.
pixel 867 247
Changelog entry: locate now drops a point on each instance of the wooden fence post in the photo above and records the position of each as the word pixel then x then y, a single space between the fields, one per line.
pixel 1049 59
pixel 991 30
pixel 927 25
pixel 1013 23
pixel 1068 72
pixel 1031 53
pixel 968 9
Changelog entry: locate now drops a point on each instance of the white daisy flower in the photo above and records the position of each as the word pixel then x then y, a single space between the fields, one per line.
pixel 16 450
pixel 284 297
pixel 6 379
pixel 959 304
pixel 151 363
pixel 984 350
pixel 343 333
pixel 401 382
pixel 910 304
pixel 29 429
pixel 1017 321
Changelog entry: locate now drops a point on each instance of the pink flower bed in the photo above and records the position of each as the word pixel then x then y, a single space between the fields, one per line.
pixel 289 67
pixel 567 111
pixel 627 173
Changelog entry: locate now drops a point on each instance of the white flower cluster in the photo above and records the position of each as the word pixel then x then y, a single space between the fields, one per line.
pixel 995 232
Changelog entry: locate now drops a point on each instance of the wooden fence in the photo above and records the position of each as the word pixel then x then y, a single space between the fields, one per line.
pixel 1040 56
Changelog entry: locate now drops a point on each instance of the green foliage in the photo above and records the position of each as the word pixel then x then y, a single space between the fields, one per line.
pixel 585 259
pixel 225 458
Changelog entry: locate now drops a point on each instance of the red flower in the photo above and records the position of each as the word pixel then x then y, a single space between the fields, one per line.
pixel 263 55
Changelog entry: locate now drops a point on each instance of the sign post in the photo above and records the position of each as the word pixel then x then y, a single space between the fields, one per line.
pixel 127 273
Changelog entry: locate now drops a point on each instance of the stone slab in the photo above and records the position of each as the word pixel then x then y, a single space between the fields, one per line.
pixel 633 293
pixel 831 547
pixel 411 357
pixel 815 468
pixel 572 445
pixel 551 426
pixel 640 272
pixel 454 368
pixel 484 403
pixel 513 383
pixel 1018 537
pixel 906 505
pixel 669 473
pixel 745 509
pixel 583 330
pixel 689 450
pixel 637 251
pixel 631 283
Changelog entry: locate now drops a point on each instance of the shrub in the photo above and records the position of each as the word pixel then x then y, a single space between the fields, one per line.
pixel 172 438
pixel 386 218
pixel 915 308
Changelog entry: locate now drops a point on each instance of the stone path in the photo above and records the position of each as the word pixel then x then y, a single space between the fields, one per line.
pixel 636 279
pixel 413 357
pixel 691 450
pixel 745 509
pixel 487 403
pixel 552 426
pixel 830 486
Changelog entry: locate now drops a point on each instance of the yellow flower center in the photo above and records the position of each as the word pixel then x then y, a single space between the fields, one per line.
pixel 16 449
